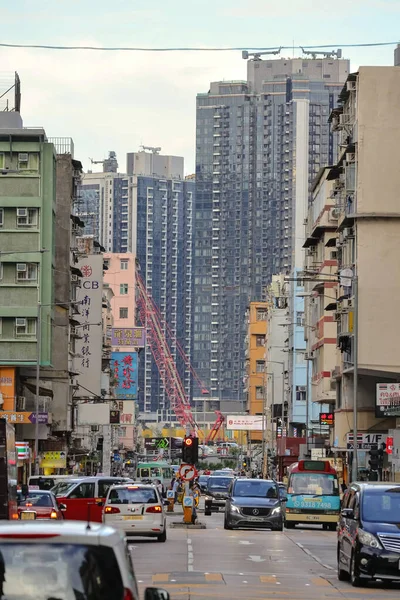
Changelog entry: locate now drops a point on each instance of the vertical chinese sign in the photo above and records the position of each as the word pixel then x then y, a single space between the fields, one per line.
pixel 125 371
pixel 7 388
pixel 89 347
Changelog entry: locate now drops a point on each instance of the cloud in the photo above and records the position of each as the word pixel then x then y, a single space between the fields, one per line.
pixel 116 101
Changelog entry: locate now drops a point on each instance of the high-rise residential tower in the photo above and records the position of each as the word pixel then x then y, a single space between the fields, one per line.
pixel 259 144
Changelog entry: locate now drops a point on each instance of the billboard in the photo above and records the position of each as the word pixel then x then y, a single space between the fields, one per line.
pixel 245 422
pixel 90 346
pixel 387 400
pixel 128 336
pixel 94 414
pixel 7 388
pixel 125 368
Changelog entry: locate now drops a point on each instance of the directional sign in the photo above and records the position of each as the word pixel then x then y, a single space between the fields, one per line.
pixel 365 441
pixel 188 501
pixel 188 472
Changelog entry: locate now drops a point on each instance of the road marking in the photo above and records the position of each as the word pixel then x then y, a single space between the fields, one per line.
pixel 256 558
pixel 213 576
pixel 160 577
pixel 311 555
pixel 246 542
pixel 268 578
pixel 320 581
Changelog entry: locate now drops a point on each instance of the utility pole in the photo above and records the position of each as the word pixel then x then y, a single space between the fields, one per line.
pixel 354 465
pixel 38 357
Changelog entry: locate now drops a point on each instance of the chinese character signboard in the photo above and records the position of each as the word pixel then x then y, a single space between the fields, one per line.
pixel 128 336
pixel 125 369
pixel 53 460
pixel 387 400
pixel 89 347
pixel 245 422
pixel 327 418
pixel 7 387
pixel 114 417
pixel 20 418
pixel 127 410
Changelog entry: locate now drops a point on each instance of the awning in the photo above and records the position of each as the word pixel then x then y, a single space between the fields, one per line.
pixel 311 241
pixel 74 322
pixel 331 306
pixel 331 243
pixel 76 271
pixel 75 219
pixel 42 391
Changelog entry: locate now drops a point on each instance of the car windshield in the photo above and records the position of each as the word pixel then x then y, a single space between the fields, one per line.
pixel 203 478
pixel 133 496
pixel 63 487
pixel 36 499
pixel 44 483
pixel 255 489
pixel 219 482
pixel 382 506
pixel 316 484
pixel 62 571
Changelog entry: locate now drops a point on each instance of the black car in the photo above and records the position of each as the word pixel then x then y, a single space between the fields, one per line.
pixel 369 533
pixel 203 482
pixel 254 503
pixel 216 492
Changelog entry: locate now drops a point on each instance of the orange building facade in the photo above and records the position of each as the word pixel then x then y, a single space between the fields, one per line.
pixel 255 385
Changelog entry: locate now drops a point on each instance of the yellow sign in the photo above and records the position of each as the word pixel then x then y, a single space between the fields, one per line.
pixel 20 418
pixel 53 460
pixel 7 387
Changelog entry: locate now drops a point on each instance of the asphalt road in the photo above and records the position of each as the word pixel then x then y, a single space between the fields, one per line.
pixel 214 564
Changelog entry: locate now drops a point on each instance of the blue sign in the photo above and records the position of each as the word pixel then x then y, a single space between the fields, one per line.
pixel 188 501
pixel 125 369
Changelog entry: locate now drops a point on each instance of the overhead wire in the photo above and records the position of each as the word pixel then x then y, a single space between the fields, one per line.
pixel 192 48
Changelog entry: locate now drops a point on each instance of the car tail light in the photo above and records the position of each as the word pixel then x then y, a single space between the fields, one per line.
pixel 111 510
pixel 128 594
pixel 53 515
pixel 154 509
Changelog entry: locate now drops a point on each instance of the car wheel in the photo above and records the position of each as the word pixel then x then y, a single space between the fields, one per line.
pixel 163 536
pixel 332 526
pixel 289 524
pixel 342 575
pixel 355 579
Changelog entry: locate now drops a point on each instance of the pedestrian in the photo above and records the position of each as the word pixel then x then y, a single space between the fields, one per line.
pixel 175 489
pixel 193 493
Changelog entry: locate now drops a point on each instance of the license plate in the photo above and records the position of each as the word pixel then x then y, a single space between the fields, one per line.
pixel 255 518
pixel 312 517
pixel 133 518
pixel 28 515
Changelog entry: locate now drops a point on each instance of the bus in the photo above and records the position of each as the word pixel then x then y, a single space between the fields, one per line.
pixel 8 472
pixel 313 494
pixel 155 470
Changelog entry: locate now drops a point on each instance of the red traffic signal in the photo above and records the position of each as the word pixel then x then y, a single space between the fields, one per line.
pixel 188 441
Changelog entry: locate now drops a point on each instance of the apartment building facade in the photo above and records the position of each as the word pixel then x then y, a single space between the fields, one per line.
pixel 259 144
pixel 366 195
pixel 256 376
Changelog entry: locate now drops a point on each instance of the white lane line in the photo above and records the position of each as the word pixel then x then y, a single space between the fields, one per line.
pixel 311 555
pixel 190 554
pixel 189 541
pixel 190 568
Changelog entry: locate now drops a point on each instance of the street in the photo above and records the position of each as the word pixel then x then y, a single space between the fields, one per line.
pixel 216 564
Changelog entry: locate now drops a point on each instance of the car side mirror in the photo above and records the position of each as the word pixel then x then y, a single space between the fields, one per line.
pixel 347 513
pixel 156 594
pixel 284 499
pixel 62 507
pixel 100 502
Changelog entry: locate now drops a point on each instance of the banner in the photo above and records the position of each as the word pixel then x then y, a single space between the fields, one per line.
pixel 128 336
pixel 125 368
pixel 7 388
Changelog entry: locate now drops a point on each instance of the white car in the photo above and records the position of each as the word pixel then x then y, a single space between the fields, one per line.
pixel 136 509
pixel 68 560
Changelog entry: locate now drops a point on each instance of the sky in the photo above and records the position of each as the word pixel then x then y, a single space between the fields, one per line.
pixel 120 100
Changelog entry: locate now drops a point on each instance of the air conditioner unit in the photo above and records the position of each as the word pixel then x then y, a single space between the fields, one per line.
pixel 342 119
pixel 20 322
pixel 22 212
pixel 351 86
pixel 334 213
pixel 23 157
pixel 21 403
pixel 308 356
pixel 21 267
pixel 348 231
pixel 301 388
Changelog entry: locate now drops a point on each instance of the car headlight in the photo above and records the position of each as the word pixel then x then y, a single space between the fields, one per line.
pixel 367 539
pixel 276 510
pixel 234 509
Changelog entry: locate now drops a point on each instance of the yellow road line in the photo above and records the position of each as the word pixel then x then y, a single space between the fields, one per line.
pixel 268 579
pixel 320 582
pixel 213 577
pixel 160 577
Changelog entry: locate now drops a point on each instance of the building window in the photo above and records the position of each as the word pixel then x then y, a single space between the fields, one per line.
pixel 260 365
pixel 28 161
pixel 300 318
pixel 261 314
pixel 259 392
pixel 27 217
pixel 106 263
pixel 2 161
pixel 123 289
pixel 260 340
pixel 25 326
pixel 124 264
pixel 123 313
pixel 1 217
pixel 26 271
pixel 301 393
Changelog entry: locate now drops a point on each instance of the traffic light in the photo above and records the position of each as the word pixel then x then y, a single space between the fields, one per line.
pixel 190 450
pixel 374 463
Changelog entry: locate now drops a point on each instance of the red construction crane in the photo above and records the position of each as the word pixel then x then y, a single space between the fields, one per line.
pixel 216 427
pixel 163 357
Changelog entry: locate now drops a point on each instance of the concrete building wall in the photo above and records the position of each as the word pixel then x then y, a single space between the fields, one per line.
pixel 154 165
pixel 255 361
pixel 121 279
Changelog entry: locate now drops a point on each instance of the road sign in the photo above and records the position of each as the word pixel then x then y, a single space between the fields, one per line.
pixel 188 472
pixel 365 441
pixel 387 400
pixel 187 501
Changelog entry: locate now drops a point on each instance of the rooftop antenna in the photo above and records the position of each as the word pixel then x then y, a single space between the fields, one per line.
pixel 256 55
pixel 332 54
